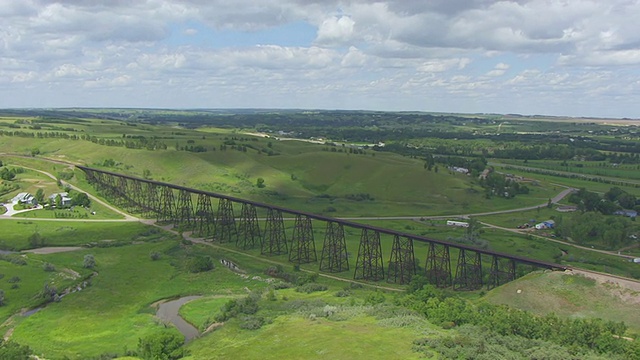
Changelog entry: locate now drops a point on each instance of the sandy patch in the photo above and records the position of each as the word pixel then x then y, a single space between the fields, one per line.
pixel 626 289
pixel 53 250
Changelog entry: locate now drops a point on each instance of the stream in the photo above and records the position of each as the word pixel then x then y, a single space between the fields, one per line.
pixel 168 311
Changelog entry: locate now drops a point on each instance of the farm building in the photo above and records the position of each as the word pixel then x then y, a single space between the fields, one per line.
pixel 548 224
pixel 25 198
pixel 65 200
pixel 457 223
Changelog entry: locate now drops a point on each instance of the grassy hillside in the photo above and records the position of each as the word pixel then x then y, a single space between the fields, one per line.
pixel 571 296
pixel 299 175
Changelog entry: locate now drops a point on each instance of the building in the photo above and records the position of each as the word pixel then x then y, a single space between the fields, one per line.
pixel 566 208
pixel 457 223
pixel 65 200
pixel 25 198
pixel 627 213
pixel 548 224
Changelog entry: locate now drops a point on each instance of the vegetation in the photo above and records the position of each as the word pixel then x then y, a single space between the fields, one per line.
pixel 343 163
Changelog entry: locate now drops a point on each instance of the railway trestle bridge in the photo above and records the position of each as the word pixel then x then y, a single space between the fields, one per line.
pixel 215 217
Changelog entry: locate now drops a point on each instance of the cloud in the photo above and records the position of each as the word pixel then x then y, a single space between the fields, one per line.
pixel 498 70
pixel 336 30
pixel 388 54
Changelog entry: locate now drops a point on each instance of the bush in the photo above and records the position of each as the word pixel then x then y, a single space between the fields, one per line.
pixel 252 322
pixel 89 261
pixel 161 345
pixel 13 350
pixel 14 279
pixel 311 287
pixel 247 305
pixel 154 256
pixel 343 293
pixel 374 298
pixel 198 264
pixel 49 267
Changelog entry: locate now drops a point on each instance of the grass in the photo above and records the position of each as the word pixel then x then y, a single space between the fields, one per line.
pixel 570 296
pixel 15 233
pixel 290 337
pixel 201 312
pixel 114 311
pixel 396 183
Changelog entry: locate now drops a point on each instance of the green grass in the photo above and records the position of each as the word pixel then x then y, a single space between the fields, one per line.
pixel 293 337
pixel 15 233
pixel 570 296
pixel 201 312
pixel 397 184
pixel 114 311
pixel 512 220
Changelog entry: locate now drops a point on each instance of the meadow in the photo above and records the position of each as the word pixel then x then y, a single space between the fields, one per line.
pixel 138 265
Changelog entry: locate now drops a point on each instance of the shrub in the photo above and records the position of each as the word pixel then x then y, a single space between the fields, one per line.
pixel 89 261
pixel 161 345
pixel 154 256
pixel 252 322
pixel 198 264
pixel 311 287
pixel 14 279
pixel 48 267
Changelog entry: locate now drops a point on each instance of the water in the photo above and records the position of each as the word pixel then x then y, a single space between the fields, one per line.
pixel 168 311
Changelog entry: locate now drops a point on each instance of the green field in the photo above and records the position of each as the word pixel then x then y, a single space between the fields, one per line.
pixel 138 266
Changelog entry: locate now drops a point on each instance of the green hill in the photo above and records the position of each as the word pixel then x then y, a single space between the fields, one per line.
pixel 566 295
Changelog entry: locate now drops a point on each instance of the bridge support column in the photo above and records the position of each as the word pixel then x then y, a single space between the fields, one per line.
pixel 502 271
pixel 275 240
pixel 225 225
pixel 184 210
pixel 303 247
pixel 248 229
pixel 122 197
pixel 402 263
pixel 369 264
pixel 166 213
pixel 468 271
pixel 334 249
pixel 151 202
pixel 204 216
pixel 438 267
pixel 137 196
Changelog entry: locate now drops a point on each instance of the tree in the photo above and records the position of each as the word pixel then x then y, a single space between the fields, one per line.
pixel 81 199
pixel 260 182
pixel 58 201
pixel 40 196
pixel 89 261
pixel 11 350
pixel 1 297
pixel 36 240
pixel 1 164
pixel 161 346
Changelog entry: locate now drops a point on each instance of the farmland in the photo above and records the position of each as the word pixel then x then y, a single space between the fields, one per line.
pixel 406 185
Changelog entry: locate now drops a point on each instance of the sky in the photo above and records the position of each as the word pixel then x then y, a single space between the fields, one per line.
pixel 549 57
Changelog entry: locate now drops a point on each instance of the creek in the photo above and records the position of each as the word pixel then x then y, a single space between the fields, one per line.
pixel 168 311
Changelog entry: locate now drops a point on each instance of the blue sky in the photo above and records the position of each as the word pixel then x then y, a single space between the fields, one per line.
pixel 571 57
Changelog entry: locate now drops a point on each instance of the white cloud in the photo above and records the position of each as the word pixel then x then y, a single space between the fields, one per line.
pixel 358 54
pixel 336 30
pixel 499 70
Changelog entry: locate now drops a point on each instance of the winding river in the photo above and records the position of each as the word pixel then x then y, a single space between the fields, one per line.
pixel 168 311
